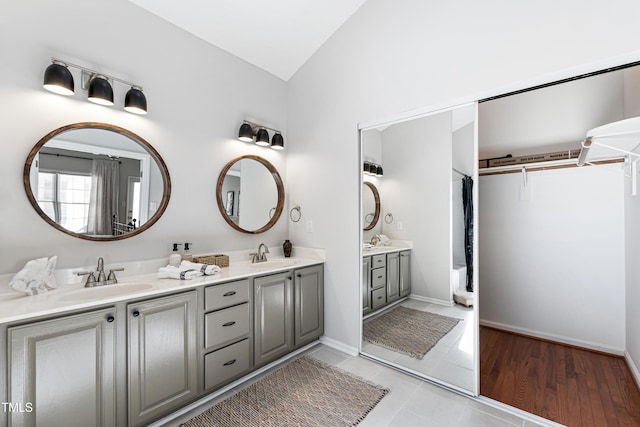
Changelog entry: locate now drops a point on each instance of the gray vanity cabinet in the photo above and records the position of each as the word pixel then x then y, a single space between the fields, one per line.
pixel 62 371
pixel 273 317
pixel 405 273
pixel 162 358
pixel 308 304
pixel 393 277
pixel 366 284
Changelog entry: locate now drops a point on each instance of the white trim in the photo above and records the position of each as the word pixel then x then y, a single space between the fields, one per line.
pixel 338 345
pixel 517 412
pixel 432 300
pixel 557 338
pixel 632 367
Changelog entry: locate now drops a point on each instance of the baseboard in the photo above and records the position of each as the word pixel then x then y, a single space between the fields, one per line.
pixel 339 345
pixel 632 367
pixel 431 300
pixel 537 420
pixel 556 338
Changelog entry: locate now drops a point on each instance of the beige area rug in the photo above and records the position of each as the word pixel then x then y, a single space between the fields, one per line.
pixel 305 392
pixel 408 331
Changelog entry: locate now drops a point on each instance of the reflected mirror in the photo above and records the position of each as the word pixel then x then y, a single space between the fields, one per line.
pixel 418 304
pixel 96 181
pixel 370 205
pixel 250 194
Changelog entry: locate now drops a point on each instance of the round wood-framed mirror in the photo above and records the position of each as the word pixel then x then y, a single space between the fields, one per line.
pixel 96 181
pixel 370 205
pixel 250 194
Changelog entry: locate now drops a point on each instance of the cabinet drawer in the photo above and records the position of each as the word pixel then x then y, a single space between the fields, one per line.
pixel 378 261
pixel 378 277
pixel 378 298
pixel 225 295
pixel 225 364
pixel 221 327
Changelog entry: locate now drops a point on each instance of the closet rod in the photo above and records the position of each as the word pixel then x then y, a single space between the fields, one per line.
pixel 456 170
pixel 542 167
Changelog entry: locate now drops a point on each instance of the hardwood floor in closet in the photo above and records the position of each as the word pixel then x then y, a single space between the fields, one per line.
pixel 565 384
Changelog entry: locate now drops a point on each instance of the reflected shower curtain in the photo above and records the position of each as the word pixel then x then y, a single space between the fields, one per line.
pixel 467 204
pixel 103 201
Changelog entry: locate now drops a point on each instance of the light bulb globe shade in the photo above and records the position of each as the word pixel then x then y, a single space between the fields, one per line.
pixel 262 137
pixel 100 91
pixel 245 134
pixel 58 79
pixel 135 102
pixel 277 142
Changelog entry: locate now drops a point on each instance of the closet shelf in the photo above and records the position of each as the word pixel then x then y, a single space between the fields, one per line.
pixel 621 138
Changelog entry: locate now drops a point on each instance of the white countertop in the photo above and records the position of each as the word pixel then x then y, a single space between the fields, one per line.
pixel 378 250
pixel 16 306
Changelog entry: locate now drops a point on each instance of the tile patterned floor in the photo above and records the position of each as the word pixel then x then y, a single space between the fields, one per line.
pixel 451 359
pixel 411 402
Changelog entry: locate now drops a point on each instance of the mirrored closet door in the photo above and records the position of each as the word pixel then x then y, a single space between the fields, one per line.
pixel 419 293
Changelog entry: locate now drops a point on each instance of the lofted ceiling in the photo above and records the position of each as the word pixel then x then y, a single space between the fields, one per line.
pixel 277 36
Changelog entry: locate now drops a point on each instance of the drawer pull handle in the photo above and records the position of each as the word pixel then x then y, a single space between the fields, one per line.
pixel 110 319
pixel 298 275
pixel 229 324
pixel 230 362
pixel 136 313
pixel 379 297
pixel 229 294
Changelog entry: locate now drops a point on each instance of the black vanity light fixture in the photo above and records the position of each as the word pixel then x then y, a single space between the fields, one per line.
pixel 99 86
pixel 372 169
pixel 249 130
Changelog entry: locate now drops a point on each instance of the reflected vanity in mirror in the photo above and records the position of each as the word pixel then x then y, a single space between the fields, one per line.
pixel 410 316
pixel 250 194
pixel 97 181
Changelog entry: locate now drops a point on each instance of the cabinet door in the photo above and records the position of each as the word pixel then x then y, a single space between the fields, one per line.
pixel 61 371
pixel 162 355
pixel 405 273
pixel 309 304
pixel 393 277
pixel 273 328
pixel 366 284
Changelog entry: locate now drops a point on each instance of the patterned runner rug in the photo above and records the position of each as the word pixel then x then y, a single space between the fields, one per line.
pixel 305 392
pixel 408 331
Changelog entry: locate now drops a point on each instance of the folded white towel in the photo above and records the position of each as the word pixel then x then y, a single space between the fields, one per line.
pixel 206 269
pixel 170 272
pixel 36 277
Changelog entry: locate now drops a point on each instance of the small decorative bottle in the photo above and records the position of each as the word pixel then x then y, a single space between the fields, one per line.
pixel 175 257
pixel 186 255
pixel 286 247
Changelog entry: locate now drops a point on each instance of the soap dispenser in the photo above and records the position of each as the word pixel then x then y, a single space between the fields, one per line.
pixel 186 255
pixel 175 257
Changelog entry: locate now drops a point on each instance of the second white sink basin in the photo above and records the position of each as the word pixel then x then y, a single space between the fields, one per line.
pixel 106 291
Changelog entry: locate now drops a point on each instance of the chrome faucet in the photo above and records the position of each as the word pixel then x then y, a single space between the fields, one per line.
pixel 261 255
pixel 102 279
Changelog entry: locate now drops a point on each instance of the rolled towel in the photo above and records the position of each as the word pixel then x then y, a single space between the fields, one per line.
pixel 206 269
pixel 36 277
pixel 170 272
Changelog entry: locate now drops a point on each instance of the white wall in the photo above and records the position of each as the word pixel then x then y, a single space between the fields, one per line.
pixel 197 96
pixel 393 57
pixel 418 194
pixel 553 266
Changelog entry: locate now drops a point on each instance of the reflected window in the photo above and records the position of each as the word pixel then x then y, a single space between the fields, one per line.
pixel 64 198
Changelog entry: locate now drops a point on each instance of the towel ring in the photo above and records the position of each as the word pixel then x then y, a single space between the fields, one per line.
pixel 295 217
pixel 388 218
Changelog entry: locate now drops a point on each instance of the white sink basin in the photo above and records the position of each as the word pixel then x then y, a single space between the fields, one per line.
pixel 106 291
pixel 276 263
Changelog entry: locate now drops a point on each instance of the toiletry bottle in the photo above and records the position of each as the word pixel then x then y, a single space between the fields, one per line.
pixel 186 255
pixel 175 257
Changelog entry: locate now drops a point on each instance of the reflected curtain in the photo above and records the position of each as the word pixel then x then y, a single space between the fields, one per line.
pixel 103 203
pixel 467 205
